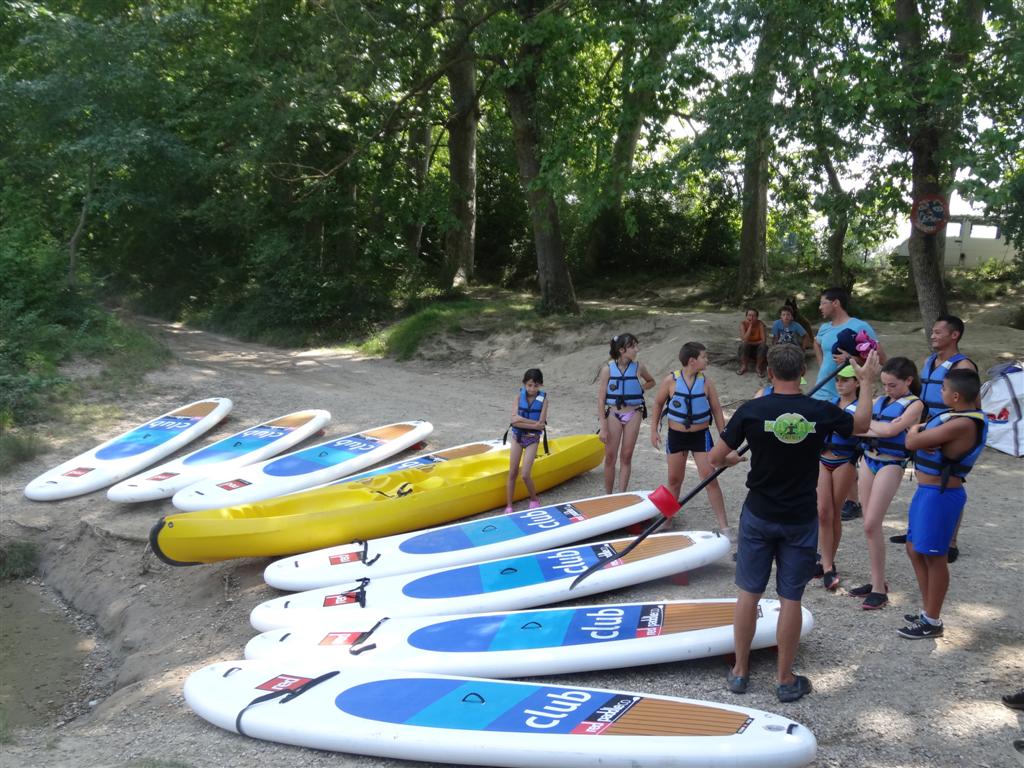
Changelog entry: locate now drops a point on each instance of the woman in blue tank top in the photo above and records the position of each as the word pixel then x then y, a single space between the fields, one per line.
pixel 621 407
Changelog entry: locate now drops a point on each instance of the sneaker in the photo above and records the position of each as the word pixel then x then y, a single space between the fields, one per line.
pixel 831 580
pixel 736 683
pixel 874 601
pixel 901 539
pixel 851 511
pixel 952 554
pixel 534 503
pixel 862 591
pixel 910 618
pixel 799 688
pixel 509 510
pixel 1014 700
pixel 920 630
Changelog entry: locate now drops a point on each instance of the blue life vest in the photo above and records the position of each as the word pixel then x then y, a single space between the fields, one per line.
pixel 931 381
pixel 847 447
pixel 528 410
pixel 689 405
pixel 624 388
pixel 933 462
pixel 885 409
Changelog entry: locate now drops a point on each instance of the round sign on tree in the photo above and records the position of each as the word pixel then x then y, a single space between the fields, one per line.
pixel 930 213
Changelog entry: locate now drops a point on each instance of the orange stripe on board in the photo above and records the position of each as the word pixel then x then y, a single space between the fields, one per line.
pixel 390 432
pixel 196 410
pixel 602 506
pixel 656 717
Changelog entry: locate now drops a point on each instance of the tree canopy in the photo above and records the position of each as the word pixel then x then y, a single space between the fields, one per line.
pixel 316 165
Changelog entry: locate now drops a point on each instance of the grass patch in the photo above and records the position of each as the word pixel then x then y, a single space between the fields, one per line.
pixel 16 448
pixel 482 314
pixel 18 560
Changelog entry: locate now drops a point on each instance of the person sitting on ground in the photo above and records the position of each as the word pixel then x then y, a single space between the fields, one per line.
pixel 753 342
pixel 786 330
pixel 779 519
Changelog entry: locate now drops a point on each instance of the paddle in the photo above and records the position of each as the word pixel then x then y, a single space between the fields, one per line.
pixel 667 505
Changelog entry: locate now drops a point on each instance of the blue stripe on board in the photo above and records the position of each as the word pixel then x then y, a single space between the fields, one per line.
pixel 320 456
pixel 238 444
pixel 147 437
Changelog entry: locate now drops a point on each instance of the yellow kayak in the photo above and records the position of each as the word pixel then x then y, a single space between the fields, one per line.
pixel 379 505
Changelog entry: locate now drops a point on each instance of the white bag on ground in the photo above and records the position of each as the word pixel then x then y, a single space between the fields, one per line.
pixel 1002 400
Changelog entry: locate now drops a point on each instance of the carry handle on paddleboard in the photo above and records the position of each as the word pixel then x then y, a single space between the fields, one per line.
pixel 667 505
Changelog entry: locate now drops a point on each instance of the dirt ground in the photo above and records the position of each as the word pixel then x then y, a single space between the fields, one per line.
pixel 879 700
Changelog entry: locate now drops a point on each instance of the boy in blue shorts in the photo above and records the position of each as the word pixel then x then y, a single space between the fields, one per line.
pixel 945 449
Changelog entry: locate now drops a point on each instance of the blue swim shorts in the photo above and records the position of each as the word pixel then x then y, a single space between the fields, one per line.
pixel 933 516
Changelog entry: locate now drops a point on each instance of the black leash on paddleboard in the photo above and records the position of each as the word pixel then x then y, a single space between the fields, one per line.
pixel 668 506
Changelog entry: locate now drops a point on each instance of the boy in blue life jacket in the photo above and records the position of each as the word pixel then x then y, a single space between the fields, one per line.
pixel 945 449
pixel 529 420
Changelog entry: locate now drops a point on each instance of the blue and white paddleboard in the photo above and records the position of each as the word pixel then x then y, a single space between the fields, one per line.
pixel 246 447
pixel 550 641
pixel 497 585
pixel 477 448
pixel 303 469
pixel 471 542
pixel 126 454
pixel 471 721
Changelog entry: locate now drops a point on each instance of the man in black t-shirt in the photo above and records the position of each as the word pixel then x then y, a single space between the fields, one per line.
pixel 779 520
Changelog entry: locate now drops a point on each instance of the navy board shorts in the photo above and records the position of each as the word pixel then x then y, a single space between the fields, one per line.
pixel 762 543
pixel 698 441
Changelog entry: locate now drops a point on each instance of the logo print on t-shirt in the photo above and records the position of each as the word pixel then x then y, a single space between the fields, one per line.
pixel 790 428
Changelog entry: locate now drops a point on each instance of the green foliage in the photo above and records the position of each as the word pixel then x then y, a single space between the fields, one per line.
pixel 16 448
pixel 18 560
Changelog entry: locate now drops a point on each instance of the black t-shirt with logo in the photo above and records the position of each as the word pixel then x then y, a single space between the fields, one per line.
pixel 786 434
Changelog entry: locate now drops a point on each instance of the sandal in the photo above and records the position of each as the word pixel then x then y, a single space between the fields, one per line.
pixel 831 580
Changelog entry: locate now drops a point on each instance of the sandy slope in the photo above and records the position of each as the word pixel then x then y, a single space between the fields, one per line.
pixel 880 700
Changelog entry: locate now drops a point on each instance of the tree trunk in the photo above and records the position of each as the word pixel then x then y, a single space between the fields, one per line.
pixel 932 130
pixel 556 289
pixel 460 240
pixel 638 88
pixel 754 231
pixel 754 228
pixel 840 203
pixel 76 236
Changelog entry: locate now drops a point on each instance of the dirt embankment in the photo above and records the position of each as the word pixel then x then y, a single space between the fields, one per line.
pixel 879 700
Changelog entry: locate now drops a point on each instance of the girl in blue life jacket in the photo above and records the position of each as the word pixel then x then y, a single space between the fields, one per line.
pixel 837 472
pixel 529 419
pixel 885 458
pixel 621 407
pixel 690 401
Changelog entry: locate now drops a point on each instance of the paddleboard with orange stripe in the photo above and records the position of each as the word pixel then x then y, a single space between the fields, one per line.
pixel 130 452
pixel 471 542
pixel 473 721
pixel 550 641
pixel 301 469
pixel 504 584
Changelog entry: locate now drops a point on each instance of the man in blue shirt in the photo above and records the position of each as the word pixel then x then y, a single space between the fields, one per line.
pixel 834 306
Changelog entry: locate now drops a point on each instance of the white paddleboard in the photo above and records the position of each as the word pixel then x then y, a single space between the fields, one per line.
pixel 497 585
pixel 295 471
pixel 130 452
pixel 470 721
pixel 246 447
pixel 471 542
pixel 550 641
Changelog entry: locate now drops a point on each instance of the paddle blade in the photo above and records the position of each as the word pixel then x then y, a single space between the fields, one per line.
pixel 665 501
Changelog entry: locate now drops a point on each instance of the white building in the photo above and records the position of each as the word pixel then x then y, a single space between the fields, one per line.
pixel 970 242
